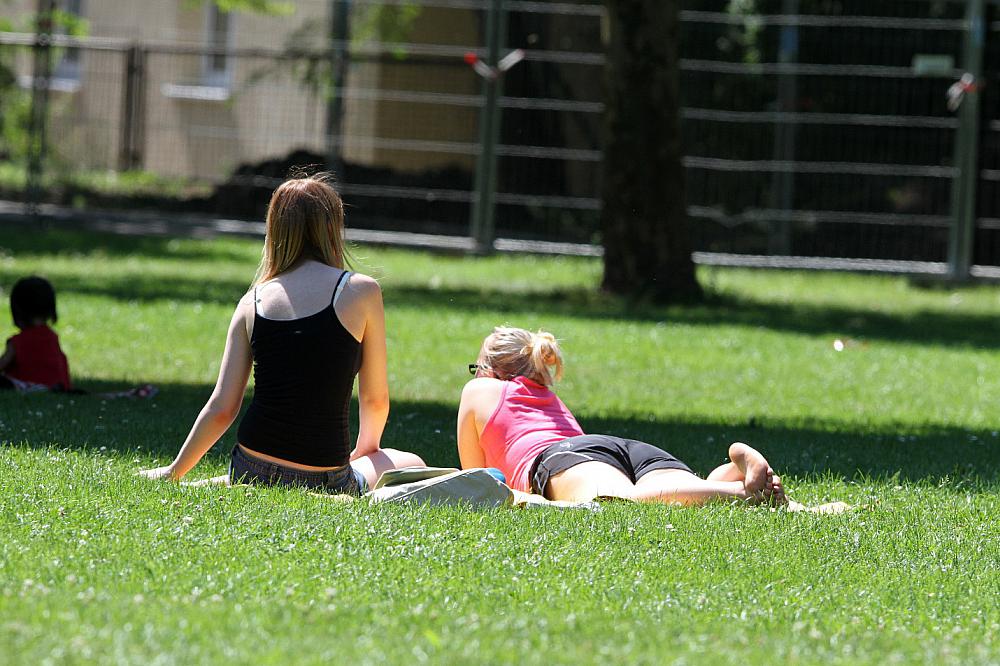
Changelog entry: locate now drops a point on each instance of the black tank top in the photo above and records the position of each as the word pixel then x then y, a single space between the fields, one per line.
pixel 304 372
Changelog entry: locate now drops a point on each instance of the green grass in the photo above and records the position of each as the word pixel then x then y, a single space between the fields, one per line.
pixel 97 566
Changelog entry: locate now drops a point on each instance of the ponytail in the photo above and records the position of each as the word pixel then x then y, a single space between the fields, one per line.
pixel 515 352
pixel 544 356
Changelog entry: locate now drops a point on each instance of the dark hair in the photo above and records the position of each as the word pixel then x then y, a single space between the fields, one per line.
pixel 32 298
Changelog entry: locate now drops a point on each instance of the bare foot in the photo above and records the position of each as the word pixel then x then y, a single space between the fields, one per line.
pixel 777 496
pixel 757 474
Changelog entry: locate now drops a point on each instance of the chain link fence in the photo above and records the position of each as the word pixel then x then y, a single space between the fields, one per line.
pixel 811 130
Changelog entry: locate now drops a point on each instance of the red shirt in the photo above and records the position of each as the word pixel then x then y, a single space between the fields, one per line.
pixel 38 358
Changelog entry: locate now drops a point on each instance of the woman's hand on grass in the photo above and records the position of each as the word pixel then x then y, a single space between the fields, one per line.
pixel 165 473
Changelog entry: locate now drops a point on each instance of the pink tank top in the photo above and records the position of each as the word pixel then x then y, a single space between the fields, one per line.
pixel 529 418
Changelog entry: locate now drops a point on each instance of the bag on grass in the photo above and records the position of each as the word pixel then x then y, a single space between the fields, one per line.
pixel 442 486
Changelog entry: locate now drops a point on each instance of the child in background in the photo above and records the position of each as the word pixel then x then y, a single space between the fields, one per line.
pixel 33 360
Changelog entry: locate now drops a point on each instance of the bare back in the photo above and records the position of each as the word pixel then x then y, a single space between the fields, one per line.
pixel 308 289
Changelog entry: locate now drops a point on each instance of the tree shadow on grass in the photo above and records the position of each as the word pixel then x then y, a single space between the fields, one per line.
pixel 980 331
pixel 65 242
pixel 95 250
pixel 936 328
pixel 157 427
pixel 923 327
pixel 153 430
pixel 144 287
pixel 925 453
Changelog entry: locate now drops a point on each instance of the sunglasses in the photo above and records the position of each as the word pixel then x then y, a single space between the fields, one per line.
pixel 476 367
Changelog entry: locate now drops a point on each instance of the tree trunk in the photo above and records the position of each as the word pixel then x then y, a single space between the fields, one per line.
pixel 647 246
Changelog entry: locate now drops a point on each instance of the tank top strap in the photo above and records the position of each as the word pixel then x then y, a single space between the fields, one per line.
pixel 341 283
pixel 256 300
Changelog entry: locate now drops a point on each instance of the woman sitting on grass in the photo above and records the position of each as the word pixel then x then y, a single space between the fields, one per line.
pixel 509 418
pixel 308 328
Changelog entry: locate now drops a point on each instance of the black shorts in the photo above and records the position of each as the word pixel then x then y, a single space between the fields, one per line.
pixel 633 458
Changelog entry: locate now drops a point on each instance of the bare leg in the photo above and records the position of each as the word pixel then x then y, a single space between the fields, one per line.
pixel 675 486
pixel 588 480
pixel 727 472
pixel 751 469
pixel 748 477
pixel 374 465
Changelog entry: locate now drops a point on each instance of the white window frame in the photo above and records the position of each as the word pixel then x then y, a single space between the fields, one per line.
pixel 210 75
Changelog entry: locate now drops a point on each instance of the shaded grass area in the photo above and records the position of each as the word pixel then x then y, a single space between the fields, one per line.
pixel 98 566
pixel 938 328
pixel 137 268
pixel 153 430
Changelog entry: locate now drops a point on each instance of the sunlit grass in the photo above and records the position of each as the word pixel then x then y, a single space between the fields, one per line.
pixel 97 566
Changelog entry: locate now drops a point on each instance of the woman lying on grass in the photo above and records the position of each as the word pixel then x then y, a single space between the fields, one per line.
pixel 307 328
pixel 509 418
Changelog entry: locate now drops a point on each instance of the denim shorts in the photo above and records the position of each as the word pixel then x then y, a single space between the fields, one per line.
pixel 245 469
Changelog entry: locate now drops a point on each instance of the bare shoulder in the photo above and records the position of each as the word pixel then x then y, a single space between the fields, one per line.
pixel 482 388
pixel 246 300
pixel 243 315
pixel 480 398
pixel 245 305
pixel 366 290
pixel 364 284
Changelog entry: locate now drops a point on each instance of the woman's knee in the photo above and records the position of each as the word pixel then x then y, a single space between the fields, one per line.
pixel 376 464
pixel 404 458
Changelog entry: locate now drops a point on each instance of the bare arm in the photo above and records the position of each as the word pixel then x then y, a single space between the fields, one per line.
pixel 373 383
pixel 224 404
pixel 7 358
pixel 479 400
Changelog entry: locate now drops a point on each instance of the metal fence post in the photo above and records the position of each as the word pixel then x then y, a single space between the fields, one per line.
pixel 783 183
pixel 133 109
pixel 41 77
pixel 964 185
pixel 483 222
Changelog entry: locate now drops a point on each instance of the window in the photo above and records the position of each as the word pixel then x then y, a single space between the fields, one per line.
pixel 68 67
pixel 217 67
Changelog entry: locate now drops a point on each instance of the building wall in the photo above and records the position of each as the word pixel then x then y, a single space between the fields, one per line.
pixel 192 129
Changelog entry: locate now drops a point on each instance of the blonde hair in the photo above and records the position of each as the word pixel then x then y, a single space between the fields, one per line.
pixel 305 218
pixel 514 352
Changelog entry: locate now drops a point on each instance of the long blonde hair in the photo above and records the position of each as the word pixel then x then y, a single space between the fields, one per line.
pixel 514 352
pixel 305 218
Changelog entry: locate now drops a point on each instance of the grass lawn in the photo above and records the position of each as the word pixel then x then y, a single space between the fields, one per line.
pixel 98 566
